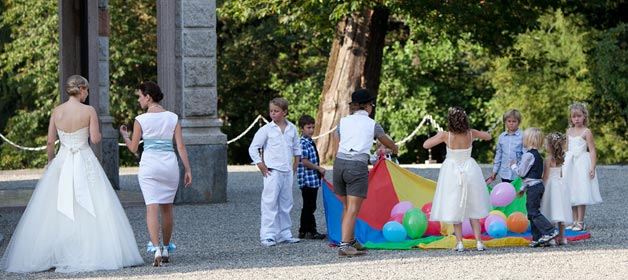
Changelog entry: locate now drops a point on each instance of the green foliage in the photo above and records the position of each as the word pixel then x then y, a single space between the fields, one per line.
pixel 258 60
pixel 133 59
pixel 484 56
pixel 544 72
pixel 29 73
pixel 30 69
pixel 427 77
pixel 609 103
pixel 547 70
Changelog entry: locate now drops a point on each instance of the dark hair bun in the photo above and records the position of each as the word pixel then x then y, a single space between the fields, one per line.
pixel 152 89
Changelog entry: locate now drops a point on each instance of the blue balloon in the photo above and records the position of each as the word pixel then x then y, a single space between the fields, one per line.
pixel 394 232
pixel 497 229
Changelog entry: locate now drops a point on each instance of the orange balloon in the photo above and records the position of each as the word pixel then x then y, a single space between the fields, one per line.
pixel 517 222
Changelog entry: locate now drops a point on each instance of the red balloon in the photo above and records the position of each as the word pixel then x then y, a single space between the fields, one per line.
pixel 482 221
pixel 427 208
pixel 433 227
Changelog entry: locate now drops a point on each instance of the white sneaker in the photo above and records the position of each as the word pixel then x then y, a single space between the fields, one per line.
pixel 289 240
pixel 480 246
pixel 268 242
pixel 459 247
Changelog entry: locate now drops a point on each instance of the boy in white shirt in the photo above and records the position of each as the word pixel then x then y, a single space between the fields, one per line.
pixel 279 142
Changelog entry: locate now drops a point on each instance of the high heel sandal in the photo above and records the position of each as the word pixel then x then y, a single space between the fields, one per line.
pixel 158 259
pixel 165 252
pixel 571 226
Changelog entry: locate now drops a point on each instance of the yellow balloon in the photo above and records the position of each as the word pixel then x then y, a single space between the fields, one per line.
pixel 498 213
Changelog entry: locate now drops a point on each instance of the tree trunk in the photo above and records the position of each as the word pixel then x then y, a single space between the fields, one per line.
pixel 355 62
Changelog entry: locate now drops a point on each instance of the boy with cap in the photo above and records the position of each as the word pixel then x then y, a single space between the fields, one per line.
pixel 354 135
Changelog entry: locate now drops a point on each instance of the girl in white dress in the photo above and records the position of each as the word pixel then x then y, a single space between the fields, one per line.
pixel 556 201
pixel 159 169
pixel 579 170
pixel 74 221
pixel 461 192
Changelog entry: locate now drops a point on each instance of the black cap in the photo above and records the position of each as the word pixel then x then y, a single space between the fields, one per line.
pixel 361 96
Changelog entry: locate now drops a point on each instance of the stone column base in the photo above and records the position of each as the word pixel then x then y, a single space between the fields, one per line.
pixel 209 175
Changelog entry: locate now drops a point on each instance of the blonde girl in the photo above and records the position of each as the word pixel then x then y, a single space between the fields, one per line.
pixel 580 161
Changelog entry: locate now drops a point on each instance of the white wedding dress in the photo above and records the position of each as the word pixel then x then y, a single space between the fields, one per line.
pixel 74 221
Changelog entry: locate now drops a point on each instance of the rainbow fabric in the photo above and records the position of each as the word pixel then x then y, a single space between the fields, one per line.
pixel 388 185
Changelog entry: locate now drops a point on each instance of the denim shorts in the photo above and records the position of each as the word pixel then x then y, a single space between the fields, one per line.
pixel 351 178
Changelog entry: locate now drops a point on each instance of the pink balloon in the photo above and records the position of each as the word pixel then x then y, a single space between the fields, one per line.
pixel 397 218
pixel 401 208
pixel 493 218
pixel 466 228
pixel 502 194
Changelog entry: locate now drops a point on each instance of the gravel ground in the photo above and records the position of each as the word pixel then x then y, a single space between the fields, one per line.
pixel 220 241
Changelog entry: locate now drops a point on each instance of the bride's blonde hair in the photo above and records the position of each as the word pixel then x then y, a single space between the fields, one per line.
pixel 74 84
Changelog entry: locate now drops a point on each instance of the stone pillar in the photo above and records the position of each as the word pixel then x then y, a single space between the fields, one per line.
pixel 187 68
pixel 110 151
pixel 84 50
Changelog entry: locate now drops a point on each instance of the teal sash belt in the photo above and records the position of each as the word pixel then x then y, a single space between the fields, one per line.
pixel 158 145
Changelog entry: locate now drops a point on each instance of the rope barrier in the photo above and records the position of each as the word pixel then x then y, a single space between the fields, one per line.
pixel 247 129
pixel 22 147
pixel 416 130
pixel 260 118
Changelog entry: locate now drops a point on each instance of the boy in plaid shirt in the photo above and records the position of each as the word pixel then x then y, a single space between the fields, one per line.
pixel 309 175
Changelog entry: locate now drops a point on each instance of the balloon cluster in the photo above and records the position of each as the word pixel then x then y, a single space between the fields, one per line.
pixel 407 221
pixel 496 224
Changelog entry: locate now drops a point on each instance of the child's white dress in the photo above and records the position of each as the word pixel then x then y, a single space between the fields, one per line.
pixel 556 202
pixel 584 191
pixel 461 192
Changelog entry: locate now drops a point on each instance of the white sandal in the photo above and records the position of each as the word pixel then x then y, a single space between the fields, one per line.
pixel 580 226
pixel 459 247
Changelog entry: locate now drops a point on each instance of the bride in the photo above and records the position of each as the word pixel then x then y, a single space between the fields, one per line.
pixel 74 221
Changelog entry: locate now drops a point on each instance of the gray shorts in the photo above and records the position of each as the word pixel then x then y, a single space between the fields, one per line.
pixel 350 178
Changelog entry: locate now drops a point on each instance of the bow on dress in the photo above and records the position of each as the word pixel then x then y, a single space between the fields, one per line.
pixel 73 183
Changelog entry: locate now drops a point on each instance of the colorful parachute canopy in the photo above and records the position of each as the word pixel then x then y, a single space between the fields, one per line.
pixel 388 185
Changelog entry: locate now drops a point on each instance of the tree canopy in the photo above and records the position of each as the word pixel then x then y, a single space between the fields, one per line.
pixel 486 56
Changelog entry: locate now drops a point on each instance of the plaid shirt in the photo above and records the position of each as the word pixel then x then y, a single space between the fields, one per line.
pixel 308 177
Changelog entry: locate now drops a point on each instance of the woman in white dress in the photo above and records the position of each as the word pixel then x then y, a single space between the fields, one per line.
pixel 159 169
pixel 461 192
pixel 556 201
pixel 74 221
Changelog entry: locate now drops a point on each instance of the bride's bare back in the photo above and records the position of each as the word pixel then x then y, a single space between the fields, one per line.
pixel 73 115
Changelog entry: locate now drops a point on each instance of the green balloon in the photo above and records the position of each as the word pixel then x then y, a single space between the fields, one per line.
pixel 415 223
